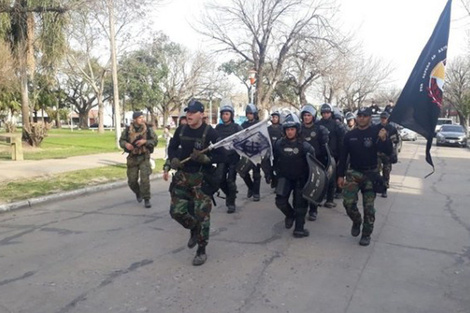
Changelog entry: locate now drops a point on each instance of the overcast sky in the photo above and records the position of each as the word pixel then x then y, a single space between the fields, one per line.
pixel 393 31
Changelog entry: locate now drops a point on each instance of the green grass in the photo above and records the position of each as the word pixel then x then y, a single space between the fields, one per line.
pixel 41 186
pixel 63 143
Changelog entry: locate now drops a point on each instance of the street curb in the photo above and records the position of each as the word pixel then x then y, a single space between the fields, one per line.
pixel 63 195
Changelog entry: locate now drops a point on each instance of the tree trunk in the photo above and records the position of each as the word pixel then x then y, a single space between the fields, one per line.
pixel 25 103
pixel 83 119
pixel 112 41
pixel 100 114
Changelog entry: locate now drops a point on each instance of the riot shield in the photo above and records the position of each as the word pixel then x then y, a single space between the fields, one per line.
pixel 244 166
pixel 316 186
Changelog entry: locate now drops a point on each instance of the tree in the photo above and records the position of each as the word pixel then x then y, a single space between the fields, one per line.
pixel 457 88
pixel 115 16
pixel 84 44
pixel 263 33
pixel 33 28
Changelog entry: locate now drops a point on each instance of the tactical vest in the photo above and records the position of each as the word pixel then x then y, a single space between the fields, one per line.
pixel 199 143
pixel 290 159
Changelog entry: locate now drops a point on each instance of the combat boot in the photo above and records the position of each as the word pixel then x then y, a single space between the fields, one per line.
pixel 194 234
pixel 249 194
pixel 356 229
pixel 147 204
pixel 201 256
pixel 256 197
pixel 289 222
pixel 365 240
pixel 330 204
pixel 300 233
pixel 138 197
pixel 230 208
pixel 384 194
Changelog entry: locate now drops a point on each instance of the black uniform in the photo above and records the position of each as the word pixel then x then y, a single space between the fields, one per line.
pixel 255 183
pixel 335 143
pixel 228 183
pixel 385 161
pixel 275 133
pixel 291 166
pixel 317 136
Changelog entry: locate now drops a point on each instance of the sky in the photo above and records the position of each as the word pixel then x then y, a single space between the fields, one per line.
pixel 392 31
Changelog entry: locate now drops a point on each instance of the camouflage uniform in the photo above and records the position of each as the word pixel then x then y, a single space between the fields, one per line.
pixel 355 181
pixel 384 166
pixel 189 185
pixel 361 146
pixel 138 160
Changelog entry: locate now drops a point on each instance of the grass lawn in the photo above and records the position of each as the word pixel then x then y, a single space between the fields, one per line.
pixel 63 143
pixel 41 186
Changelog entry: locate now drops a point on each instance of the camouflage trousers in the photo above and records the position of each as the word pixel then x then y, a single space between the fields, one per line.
pixel 358 181
pixel 186 191
pixel 385 166
pixel 139 165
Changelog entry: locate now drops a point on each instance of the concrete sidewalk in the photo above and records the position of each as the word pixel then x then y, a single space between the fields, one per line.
pixel 14 170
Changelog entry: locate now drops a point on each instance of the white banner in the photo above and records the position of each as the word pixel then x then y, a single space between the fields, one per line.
pixel 252 142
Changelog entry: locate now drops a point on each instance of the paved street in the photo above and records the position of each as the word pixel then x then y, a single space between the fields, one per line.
pixel 105 253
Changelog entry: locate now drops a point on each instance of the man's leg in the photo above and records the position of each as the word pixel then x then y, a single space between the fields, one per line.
pixel 133 176
pixel 350 198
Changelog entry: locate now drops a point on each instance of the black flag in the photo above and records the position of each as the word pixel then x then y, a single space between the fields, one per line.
pixel 419 104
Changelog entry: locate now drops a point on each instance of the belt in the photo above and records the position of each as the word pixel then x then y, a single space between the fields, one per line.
pixel 366 168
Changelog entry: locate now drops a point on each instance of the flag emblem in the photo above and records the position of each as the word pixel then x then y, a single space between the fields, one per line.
pixel 436 83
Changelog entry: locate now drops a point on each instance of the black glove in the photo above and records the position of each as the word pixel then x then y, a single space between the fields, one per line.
pixel 200 157
pixel 176 164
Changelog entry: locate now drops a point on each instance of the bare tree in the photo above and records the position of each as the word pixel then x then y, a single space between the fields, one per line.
pixel 457 88
pixel 263 32
pixel 84 43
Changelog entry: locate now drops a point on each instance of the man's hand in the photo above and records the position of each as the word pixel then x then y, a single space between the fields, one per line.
pixel 200 157
pixel 129 146
pixel 176 164
pixel 166 175
pixel 141 142
pixel 383 134
pixel 340 182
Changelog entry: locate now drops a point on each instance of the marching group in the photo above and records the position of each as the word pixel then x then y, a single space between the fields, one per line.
pixel 350 154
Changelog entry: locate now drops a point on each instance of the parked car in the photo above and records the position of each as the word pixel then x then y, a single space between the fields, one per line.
pixel 452 135
pixel 408 135
pixel 442 121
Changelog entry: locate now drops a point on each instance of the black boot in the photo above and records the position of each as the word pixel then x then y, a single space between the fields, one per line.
pixel 147 204
pixel 194 234
pixel 230 208
pixel 289 222
pixel 365 240
pixel 356 229
pixel 300 233
pixel 138 197
pixel 201 256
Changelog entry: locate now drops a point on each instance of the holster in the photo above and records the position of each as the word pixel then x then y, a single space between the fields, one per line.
pixel 378 183
pixel 213 176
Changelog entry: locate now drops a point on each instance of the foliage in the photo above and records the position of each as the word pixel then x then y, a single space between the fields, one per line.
pixel 37 133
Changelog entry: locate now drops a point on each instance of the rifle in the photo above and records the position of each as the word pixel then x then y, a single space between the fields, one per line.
pixel 134 144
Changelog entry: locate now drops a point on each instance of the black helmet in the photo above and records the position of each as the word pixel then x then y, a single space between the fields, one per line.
pixel 308 109
pixel 251 108
pixel 276 113
pixel 291 120
pixel 325 108
pixel 227 108
pixel 350 116
pixel 338 114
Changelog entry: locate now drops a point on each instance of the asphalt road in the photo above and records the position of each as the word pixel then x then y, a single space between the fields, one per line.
pixel 105 253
